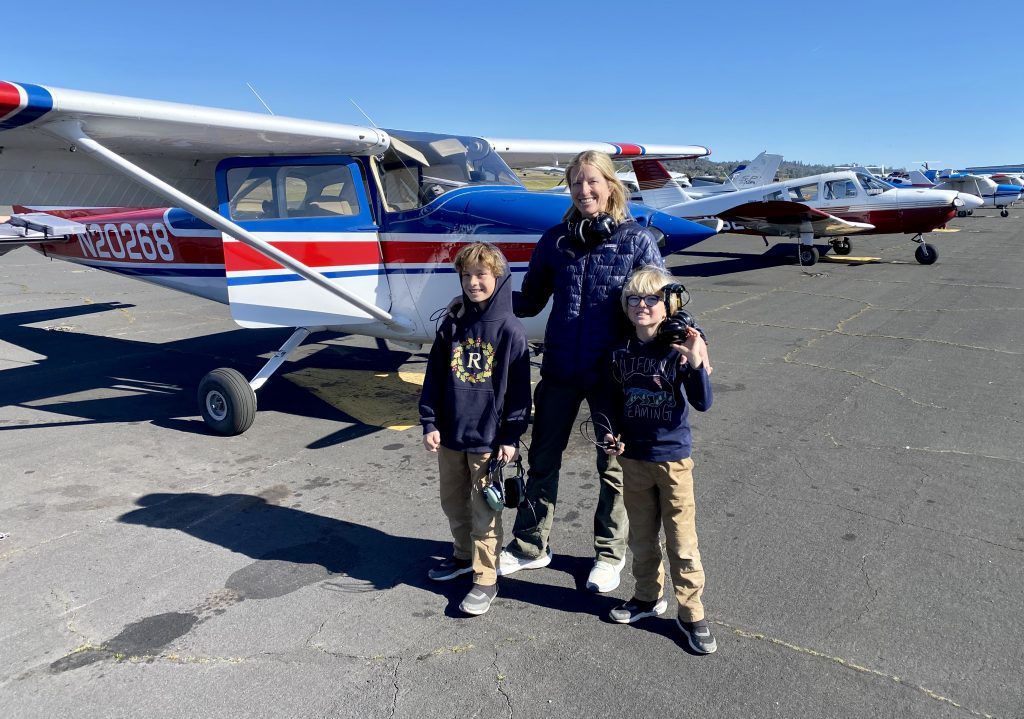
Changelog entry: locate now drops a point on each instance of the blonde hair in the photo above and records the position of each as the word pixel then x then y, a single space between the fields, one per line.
pixel 481 253
pixel 603 164
pixel 648 280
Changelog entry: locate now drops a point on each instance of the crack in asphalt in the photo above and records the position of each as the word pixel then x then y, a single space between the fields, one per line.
pixel 846 664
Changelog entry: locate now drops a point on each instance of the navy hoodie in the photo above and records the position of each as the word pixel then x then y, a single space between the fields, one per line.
pixel 649 399
pixel 476 391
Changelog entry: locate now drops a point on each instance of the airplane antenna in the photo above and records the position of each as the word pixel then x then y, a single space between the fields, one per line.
pixel 259 98
pixel 374 124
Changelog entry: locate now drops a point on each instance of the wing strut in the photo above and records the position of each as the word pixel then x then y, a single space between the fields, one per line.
pixel 72 131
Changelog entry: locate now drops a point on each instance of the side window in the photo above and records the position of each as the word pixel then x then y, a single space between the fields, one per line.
pixel 840 190
pixel 777 195
pixel 804 193
pixel 289 191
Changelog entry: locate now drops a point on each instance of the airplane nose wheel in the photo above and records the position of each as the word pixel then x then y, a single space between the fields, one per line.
pixel 925 254
pixel 226 401
pixel 841 247
pixel 1004 213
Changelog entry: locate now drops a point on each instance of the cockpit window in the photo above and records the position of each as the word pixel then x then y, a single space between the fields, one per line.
pixel 420 167
pixel 840 189
pixel 872 185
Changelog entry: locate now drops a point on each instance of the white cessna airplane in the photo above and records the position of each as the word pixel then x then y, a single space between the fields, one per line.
pixel 292 223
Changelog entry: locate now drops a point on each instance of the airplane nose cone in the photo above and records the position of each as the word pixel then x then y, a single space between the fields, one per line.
pixel 970 202
pixel 678 233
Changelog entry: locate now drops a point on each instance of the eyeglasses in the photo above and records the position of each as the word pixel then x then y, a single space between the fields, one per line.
pixel 649 300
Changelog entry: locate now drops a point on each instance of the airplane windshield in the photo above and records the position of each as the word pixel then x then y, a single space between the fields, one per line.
pixel 420 167
pixel 872 185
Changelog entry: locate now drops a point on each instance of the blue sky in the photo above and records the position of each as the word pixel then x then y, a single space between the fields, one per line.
pixel 890 83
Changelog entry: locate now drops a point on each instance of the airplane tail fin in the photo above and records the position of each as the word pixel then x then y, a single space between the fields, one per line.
pixel 918 179
pixel 760 171
pixel 657 188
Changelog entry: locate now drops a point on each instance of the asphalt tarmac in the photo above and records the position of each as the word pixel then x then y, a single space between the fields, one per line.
pixel 859 504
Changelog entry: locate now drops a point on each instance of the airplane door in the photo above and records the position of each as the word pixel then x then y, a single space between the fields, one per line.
pixel 316 210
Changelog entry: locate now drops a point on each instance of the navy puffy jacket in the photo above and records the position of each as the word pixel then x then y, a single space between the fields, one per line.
pixel 586 320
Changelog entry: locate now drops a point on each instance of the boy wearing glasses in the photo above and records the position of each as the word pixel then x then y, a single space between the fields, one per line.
pixel 654 384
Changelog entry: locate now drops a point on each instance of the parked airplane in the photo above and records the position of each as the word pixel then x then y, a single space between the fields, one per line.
pixel 292 223
pixel 833 205
pixel 992 191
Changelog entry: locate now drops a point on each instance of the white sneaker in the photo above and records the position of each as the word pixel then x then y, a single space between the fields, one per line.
pixel 509 563
pixel 604 577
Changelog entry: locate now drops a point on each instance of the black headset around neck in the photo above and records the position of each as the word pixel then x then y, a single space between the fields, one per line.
pixel 585 234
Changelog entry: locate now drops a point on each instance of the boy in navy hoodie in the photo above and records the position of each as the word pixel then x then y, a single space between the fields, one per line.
pixel 475 404
pixel 653 384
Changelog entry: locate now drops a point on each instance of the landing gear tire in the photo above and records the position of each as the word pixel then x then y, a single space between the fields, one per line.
pixel 807 255
pixel 926 254
pixel 227 402
pixel 961 213
pixel 841 247
pixel 970 212
pixel 1004 213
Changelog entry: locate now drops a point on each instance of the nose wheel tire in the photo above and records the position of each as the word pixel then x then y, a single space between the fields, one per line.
pixel 841 247
pixel 226 401
pixel 926 254
pixel 1004 213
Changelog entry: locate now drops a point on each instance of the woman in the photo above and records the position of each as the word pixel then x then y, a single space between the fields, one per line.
pixel 581 264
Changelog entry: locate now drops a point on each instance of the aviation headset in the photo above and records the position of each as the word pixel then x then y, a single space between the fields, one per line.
pixel 585 234
pixel 673 329
pixel 503 491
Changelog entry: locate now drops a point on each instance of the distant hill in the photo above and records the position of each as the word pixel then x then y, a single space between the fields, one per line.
pixel 702 167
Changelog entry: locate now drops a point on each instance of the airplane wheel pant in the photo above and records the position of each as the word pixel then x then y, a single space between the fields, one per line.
pixel 555 408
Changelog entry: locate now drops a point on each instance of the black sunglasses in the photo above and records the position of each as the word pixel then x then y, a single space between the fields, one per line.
pixel 649 300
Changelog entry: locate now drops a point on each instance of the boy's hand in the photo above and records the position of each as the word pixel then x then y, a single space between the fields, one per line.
pixel 612 445
pixel 507 453
pixel 431 441
pixel 694 350
pixel 455 308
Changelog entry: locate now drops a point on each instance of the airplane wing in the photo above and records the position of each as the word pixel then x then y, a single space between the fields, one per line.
pixel 522 154
pixel 180 143
pixel 778 217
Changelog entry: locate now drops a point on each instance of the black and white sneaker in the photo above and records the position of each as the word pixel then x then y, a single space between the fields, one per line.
pixel 636 609
pixel 449 569
pixel 699 636
pixel 479 599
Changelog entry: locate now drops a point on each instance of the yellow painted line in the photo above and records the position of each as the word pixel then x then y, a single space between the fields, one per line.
pixel 390 400
pixel 848 258
pixel 947 229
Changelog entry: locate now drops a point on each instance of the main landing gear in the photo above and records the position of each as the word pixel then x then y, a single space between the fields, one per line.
pixel 1004 212
pixel 227 401
pixel 925 254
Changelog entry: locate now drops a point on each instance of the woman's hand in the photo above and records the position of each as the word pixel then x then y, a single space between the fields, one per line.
pixel 507 453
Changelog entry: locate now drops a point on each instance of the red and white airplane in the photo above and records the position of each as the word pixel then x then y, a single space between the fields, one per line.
pixel 292 223
pixel 833 205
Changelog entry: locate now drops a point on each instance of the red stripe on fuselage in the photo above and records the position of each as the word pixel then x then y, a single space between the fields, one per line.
pixel 629 150
pixel 242 258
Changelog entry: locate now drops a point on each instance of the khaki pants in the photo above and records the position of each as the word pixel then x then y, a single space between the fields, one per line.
pixel 476 528
pixel 656 494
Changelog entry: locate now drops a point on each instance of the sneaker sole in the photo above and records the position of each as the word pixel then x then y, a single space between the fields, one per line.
pixel 446 577
pixel 689 640
pixel 537 563
pixel 657 611
pixel 474 612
